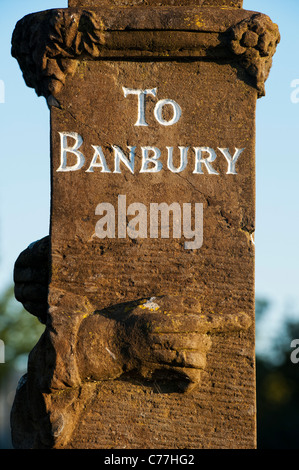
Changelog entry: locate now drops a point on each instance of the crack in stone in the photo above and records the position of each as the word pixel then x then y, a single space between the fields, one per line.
pixel 195 188
pixel 85 124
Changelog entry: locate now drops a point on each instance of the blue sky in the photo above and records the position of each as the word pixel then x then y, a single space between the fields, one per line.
pixel 25 170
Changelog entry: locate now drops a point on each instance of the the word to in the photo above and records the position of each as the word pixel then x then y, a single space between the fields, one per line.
pixel 159 221
pixel 149 158
pixel 158 111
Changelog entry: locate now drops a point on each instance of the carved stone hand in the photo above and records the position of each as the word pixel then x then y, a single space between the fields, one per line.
pixel 164 338
pixel 158 338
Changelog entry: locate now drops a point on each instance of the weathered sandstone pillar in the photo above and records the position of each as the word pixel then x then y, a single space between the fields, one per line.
pixel 149 339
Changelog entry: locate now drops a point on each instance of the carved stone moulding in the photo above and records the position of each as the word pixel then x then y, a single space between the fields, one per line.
pixel 198 3
pixel 49 44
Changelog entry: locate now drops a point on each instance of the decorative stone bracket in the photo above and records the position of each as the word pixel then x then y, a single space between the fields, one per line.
pixel 48 44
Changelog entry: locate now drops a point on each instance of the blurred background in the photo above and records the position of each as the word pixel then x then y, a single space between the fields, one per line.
pixel 25 209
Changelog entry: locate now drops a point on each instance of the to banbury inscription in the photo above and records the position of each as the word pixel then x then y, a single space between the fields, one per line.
pixel 149 328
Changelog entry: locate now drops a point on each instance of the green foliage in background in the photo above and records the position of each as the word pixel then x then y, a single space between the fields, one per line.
pixel 19 331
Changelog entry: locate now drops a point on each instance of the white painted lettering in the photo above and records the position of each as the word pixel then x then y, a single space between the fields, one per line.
pixel 141 102
pixel 101 163
pixel 231 160
pixel 159 109
pixel 183 159
pixel 146 160
pixel 119 156
pixel 65 149
pixel 199 160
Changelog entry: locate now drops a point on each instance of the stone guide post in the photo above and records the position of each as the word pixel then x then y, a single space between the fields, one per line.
pixel 149 338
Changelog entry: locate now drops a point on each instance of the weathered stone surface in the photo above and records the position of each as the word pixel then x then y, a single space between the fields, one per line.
pixel 149 340
pixel 199 3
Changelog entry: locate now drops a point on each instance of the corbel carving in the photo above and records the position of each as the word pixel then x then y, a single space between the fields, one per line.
pixel 254 41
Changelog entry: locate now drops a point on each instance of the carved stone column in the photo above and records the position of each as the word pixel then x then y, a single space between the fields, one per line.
pixel 149 339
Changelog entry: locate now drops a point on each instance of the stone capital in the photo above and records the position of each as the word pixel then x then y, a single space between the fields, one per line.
pixel 49 44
